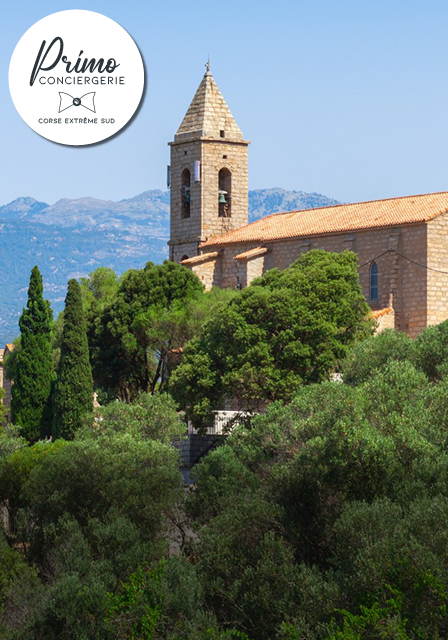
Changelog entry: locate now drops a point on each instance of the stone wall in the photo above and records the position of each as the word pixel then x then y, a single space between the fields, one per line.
pixel 204 222
pixel 248 269
pixel 402 285
pixel 255 268
pixel 217 155
pixel 185 233
pixel 385 319
pixel 438 259
pixel 209 272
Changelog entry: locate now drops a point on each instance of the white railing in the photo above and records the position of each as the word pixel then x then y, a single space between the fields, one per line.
pixel 223 422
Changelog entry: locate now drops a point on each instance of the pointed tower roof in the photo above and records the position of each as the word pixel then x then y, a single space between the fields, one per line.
pixel 208 114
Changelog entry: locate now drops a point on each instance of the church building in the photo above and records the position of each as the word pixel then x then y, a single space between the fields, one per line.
pixel 401 243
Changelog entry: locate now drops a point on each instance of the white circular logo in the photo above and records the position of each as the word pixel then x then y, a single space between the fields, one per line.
pixel 76 77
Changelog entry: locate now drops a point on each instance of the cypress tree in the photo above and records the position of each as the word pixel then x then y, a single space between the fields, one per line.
pixel 34 371
pixel 73 396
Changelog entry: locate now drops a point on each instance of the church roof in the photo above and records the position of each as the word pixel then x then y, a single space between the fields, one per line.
pixel 208 114
pixel 339 218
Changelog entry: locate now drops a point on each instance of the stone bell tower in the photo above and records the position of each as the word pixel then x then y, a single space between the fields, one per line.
pixel 208 174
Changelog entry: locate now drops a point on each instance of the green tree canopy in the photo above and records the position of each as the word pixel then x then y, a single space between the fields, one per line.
pixel 288 328
pixel 375 352
pixel 323 518
pixel 148 416
pixel 33 367
pixel 73 396
pixel 133 339
pixel 346 488
pixel 431 351
pixel 97 291
pixel 91 511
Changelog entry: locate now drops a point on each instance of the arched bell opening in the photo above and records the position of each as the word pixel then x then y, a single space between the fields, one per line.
pixel 185 181
pixel 225 194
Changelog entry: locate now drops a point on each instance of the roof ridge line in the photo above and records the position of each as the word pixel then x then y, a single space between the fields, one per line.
pixel 355 216
pixel 350 204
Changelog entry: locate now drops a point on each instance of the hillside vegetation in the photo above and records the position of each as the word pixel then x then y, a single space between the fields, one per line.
pixel 322 516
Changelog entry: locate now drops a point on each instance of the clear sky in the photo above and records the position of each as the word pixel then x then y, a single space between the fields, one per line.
pixel 348 98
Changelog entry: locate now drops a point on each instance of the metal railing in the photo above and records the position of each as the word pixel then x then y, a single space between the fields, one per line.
pixel 223 422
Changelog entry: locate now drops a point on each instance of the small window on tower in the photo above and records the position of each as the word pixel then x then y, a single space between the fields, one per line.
pixel 185 181
pixel 373 282
pixel 222 133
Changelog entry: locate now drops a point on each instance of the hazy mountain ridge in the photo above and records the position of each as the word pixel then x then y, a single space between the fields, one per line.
pixel 22 207
pixel 264 202
pixel 71 238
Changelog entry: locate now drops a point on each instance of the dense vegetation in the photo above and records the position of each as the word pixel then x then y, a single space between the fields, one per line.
pixel 325 517
pixel 288 328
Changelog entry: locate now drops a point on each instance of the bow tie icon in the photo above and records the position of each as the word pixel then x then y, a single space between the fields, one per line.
pixel 67 101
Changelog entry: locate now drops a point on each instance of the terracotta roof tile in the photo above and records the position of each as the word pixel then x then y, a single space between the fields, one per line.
pixel 381 312
pixel 252 253
pixel 338 218
pixel 212 255
pixel 178 350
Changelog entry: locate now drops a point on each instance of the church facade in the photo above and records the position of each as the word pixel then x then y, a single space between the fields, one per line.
pixel 401 243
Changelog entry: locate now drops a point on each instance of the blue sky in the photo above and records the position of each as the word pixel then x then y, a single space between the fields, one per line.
pixel 348 98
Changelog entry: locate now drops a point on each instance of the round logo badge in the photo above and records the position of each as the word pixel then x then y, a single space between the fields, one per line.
pixel 76 77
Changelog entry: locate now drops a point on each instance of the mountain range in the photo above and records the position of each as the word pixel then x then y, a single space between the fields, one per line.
pixel 71 238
